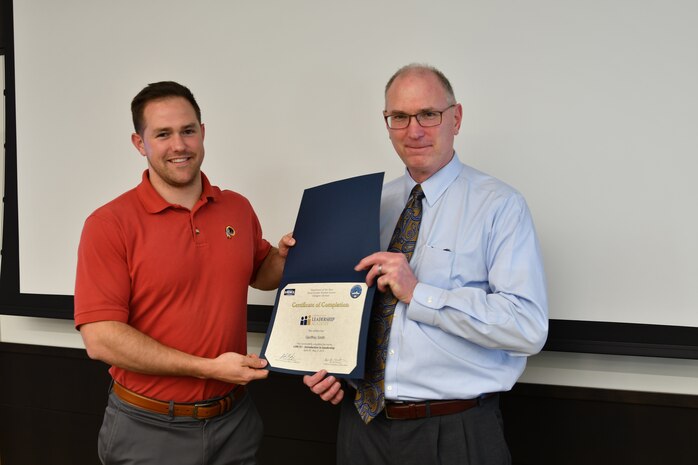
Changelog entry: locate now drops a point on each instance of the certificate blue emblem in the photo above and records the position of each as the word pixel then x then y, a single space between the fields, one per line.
pixel 355 292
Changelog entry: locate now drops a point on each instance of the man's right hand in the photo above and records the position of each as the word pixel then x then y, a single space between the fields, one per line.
pixel 237 368
pixel 327 387
pixel 122 345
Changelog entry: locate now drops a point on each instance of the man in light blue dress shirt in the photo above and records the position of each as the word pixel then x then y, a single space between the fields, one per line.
pixel 472 299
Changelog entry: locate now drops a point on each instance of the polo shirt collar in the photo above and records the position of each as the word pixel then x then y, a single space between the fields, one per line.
pixel 154 203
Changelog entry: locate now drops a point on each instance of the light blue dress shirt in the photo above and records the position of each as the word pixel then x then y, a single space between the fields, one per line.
pixel 480 306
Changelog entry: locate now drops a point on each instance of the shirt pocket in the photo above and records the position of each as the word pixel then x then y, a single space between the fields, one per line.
pixel 470 269
pixel 436 267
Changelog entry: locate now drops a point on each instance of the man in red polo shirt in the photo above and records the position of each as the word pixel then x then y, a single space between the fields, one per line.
pixel 161 296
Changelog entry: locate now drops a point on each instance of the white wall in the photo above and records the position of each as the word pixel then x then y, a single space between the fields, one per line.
pixel 587 107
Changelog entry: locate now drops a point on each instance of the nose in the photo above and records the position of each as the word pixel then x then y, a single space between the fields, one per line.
pixel 414 129
pixel 178 144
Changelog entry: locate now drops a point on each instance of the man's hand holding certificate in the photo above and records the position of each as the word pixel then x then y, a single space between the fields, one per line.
pixel 323 305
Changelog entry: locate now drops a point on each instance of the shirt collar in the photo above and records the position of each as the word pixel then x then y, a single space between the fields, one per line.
pixel 154 203
pixel 438 182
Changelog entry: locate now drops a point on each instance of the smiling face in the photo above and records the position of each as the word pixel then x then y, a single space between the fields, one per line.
pixel 173 142
pixel 424 151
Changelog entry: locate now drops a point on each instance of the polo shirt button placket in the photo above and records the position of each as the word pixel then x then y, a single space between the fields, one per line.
pixel 195 229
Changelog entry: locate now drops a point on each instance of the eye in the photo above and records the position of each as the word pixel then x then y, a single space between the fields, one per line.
pixel 399 117
pixel 161 135
pixel 430 114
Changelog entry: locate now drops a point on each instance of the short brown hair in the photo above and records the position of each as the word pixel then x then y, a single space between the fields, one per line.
pixel 158 91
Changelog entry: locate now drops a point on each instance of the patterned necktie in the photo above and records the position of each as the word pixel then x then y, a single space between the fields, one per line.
pixel 370 393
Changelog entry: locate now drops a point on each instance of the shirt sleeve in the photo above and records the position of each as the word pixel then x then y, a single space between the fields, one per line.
pixel 509 311
pixel 261 246
pixel 102 283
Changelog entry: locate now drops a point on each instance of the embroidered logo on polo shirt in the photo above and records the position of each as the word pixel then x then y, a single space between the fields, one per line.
pixel 229 232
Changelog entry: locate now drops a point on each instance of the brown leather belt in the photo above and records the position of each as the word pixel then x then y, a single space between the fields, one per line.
pixel 431 408
pixel 198 410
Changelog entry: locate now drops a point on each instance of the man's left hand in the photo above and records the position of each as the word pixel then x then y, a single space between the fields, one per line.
pixel 285 243
pixel 327 387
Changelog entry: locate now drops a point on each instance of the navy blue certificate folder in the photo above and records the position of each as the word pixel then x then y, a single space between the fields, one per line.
pixel 337 225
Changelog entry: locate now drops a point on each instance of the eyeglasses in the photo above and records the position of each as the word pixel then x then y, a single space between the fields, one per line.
pixel 426 119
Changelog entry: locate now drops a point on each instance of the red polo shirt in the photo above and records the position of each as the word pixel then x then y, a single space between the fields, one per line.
pixel 179 276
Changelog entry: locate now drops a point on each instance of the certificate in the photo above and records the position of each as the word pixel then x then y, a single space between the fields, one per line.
pixel 323 306
pixel 317 325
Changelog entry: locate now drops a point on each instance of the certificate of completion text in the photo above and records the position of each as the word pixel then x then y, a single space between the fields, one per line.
pixel 317 326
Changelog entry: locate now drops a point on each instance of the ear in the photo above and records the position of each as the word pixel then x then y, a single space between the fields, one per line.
pixel 203 131
pixel 458 115
pixel 137 142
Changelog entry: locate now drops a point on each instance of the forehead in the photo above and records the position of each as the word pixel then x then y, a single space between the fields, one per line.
pixel 169 111
pixel 415 91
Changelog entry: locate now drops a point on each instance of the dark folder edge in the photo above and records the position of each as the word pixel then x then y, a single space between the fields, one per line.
pixel 364 191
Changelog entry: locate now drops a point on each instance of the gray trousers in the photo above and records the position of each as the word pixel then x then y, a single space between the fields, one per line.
pixel 130 436
pixel 473 437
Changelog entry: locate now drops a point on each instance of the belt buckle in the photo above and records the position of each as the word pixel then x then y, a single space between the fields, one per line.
pixel 387 415
pixel 396 404
pixel 195 413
